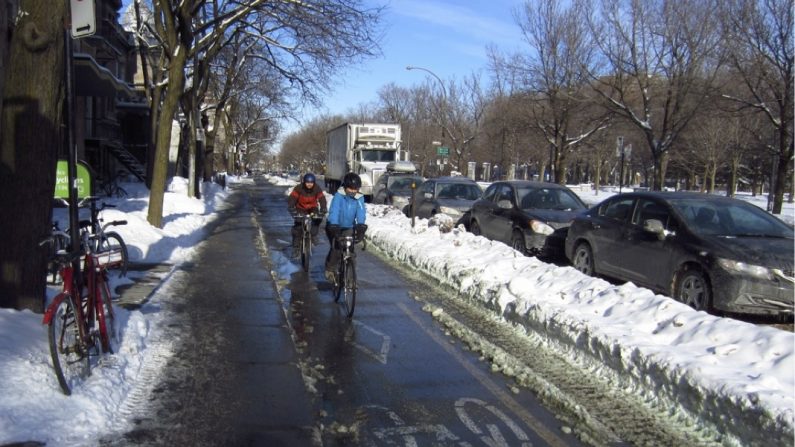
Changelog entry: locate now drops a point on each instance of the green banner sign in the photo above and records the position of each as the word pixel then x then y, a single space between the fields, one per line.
pixel 83 180
pixel 443 150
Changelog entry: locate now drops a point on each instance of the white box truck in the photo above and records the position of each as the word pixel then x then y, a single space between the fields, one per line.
pixel 365 149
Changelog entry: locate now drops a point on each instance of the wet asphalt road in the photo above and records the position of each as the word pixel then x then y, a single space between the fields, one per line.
pixel 252 358
pixel 256 353
pixel 390 376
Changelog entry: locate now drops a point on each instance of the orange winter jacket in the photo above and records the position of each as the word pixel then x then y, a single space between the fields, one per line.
pixel 306 200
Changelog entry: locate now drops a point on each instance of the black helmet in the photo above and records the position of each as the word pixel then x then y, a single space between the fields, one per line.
pixel 352 181
pixel 309 178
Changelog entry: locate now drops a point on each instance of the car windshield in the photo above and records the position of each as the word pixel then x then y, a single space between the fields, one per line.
pixel 548 199
pixel 730 218
pixel 458 191
pixel 403 184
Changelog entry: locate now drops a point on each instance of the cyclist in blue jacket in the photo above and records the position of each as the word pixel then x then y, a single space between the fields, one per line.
pixel 345 214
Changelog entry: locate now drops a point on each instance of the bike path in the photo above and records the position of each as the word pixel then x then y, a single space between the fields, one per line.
pixel 232 376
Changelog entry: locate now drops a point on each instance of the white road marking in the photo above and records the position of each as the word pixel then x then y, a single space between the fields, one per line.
pixel 383 354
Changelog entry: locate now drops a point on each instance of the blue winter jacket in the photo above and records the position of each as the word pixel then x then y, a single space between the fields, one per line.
pixel 346 211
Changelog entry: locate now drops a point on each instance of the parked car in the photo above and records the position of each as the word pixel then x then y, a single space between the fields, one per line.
pixel 531 217
pixel 713 253
pixel 394 187
pixel 452 196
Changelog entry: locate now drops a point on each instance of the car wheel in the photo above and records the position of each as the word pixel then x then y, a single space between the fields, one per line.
pixel 517 242
pixel 693 289
pixel 583 259
pixel 474 228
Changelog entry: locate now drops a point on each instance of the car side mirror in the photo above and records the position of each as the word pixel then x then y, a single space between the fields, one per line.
pixel 505 204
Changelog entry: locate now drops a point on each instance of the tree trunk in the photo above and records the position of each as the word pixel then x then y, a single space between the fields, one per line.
pixel 6 11
pixel 560 167
pixel 713 171
pixel 30 135
pixel 154 117
pixel 782 174
pixel 597 176
pixel 731 188
pixel 176 76
pixel 661 162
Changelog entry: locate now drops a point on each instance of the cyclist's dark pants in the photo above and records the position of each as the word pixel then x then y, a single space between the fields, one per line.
pixel 334 254
pixel 296 230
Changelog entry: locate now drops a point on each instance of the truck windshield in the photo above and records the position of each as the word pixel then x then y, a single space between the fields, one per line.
pixel 378 155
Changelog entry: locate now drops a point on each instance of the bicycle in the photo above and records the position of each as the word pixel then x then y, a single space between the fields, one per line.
pixel 61 242
pixel 95 237
pixel 345 285
pixel 80 319
pixel 305 220
pixel 112 188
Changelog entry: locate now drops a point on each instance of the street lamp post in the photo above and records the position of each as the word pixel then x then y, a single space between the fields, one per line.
pixel 443 107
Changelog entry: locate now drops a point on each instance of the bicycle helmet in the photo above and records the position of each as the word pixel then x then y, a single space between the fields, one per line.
pixel 352 181
pixel 309 178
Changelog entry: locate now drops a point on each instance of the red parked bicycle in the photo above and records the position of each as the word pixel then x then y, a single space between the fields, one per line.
pixel 80 319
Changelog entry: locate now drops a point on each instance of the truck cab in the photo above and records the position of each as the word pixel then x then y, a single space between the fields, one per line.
pixel 366 149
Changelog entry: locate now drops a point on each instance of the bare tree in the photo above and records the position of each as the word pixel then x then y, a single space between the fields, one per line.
pixel 248 98
pixel 303 42
pixel 759 40
pixel 306 149
pixel 464 111
pixel 709 141
pixel 554 77
pixel 660 65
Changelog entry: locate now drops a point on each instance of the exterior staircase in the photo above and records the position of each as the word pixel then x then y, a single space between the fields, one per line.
pixel 128 161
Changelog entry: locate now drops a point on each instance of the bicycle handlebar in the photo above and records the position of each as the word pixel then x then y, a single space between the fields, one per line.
pixel 299 217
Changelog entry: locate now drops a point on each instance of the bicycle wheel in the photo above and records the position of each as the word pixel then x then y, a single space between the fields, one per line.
pixel 69 357
pixel 349 288
pixel 338 282
pixel 111 241
pixel 306 251
pixel 108 332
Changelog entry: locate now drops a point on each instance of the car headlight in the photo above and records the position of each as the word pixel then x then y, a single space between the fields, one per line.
pixel 452 212
pixel 756 271
pixel 539 227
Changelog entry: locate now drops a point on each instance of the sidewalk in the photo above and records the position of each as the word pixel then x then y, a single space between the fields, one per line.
pixel 233 377
pixel 147 279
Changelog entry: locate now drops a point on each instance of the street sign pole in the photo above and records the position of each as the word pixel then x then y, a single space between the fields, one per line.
pixel 82 18
pixel 72 149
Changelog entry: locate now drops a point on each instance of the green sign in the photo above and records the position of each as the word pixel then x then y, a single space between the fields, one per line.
pixel 83 180
pixel 443 150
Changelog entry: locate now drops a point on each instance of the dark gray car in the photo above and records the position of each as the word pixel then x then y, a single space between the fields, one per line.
pixel 452 196
pixel 532 217
pixel 395 188
pixel 711 252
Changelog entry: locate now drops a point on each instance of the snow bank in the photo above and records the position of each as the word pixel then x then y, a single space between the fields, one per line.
pixel 734 375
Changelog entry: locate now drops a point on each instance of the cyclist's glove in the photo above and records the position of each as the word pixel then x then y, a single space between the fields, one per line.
pixel 358 232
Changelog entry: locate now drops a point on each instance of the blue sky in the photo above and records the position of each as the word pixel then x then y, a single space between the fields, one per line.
pixel 447 37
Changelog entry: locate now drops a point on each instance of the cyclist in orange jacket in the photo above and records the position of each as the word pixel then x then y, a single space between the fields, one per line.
pixel 306 198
